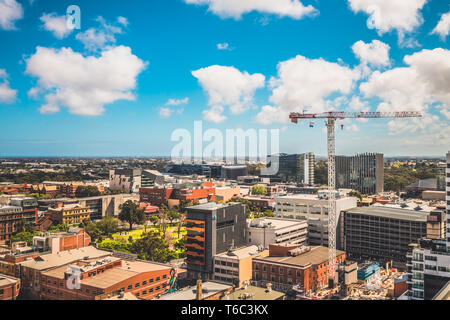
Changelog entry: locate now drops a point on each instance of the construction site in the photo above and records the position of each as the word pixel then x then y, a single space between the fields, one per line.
pixel 369 282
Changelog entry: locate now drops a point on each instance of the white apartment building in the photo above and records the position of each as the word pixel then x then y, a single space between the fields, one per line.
pixel 315 211
pixel 265 231
pixel 428 262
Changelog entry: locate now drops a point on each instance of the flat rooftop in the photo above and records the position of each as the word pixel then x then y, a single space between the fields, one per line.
pixel 316 255
pixel 241 253
pixel 209 288
pixel 255 293
pixel 47 261
pixel 391 213
pixel 7 280
pixel 275 223
pixel 211 206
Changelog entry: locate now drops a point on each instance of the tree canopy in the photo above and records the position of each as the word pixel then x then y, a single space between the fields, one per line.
pixel 130 212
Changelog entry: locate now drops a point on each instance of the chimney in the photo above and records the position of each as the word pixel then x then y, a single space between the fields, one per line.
pixel 199 292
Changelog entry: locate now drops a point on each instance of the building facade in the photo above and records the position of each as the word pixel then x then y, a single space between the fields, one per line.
pixel 266 231
pixel 362 172
pixel 315 211
pixel 296 168
pixel 125 179
pixel 294 265
pixel 9 287
pixel 10 216
pixel 69 214
pixel 382 233
pixel 212 229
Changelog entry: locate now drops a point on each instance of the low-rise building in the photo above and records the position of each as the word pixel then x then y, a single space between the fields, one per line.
pixel 9 287
pixel 69 214
pixel 87 279
pixel 307 268
pixel 235 266
pixel 209 290
pixel 10 216
pixel 74 238
pixel 265 231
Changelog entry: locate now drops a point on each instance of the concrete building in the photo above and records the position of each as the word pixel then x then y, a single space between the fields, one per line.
pixel 428 268
pixel 235 266
pixel 296 168
pixel 74 238
pixel 151 177
pixel 227 193
pixel 315 211
pixel 125 179
pixel 294 265
pixel 266 231
pixel 212 229
pixel 105 206
pixel 362 172
pixel 384 233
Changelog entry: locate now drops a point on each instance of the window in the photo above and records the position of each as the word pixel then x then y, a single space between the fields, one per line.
pixel 137 285
pixel 144 282
pixel 144 292
pixel 150 290
pixel 158 278
pixel 130 287
pixel 2 292
pixel 165 276
pixel 157 288
pixel 150 281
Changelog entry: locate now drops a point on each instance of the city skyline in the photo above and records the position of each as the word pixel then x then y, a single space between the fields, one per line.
pixel 121 84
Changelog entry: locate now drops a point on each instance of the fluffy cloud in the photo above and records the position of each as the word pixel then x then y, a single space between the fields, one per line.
pixel 227 86
pixel 269 114
pixel 165 112
pixel 56 24
pixel 425 81
pixel 236 8
pixel 98 38
pixel 214 114
pixel 84 84
pixel 223 46
pixel 303 83
pixel 10 11
pixel 387 15
pixel 443 26
pixel 7 95
pixel 177 102
pixel 123 21
pixel 413 125
pixel 375 54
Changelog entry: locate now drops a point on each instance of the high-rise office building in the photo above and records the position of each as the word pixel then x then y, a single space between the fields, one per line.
pixel 297 168
pixel 362 172
pixel 212 229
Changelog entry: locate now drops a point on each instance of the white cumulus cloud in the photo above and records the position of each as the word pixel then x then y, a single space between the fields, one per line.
pixel 223 46
pixel 56 24
pixel 7 95
pixel 236 8
pixel 177 102
pixel 306 84
pixel 84 85
pixel 375 54
pixel 227 86
pixel 426 80
pixel 386 15
pixel 443 26
pixel 10 12
pixel 95 39
pixel 214 114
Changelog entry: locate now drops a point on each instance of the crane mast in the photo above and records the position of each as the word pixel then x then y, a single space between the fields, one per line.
pixel 331 118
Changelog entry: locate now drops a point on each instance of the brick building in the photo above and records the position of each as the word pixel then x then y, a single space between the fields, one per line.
pixel 289 265
pixel 10 216
pixel 102 276
pixel 74 238
pixel 9 287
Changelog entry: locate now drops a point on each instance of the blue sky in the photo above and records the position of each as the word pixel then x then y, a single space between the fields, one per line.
pixel 167 49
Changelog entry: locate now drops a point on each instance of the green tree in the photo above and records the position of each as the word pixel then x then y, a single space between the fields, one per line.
pixel 87 191
pixel 153 219
pixel 130 212
pixel 108 226
pixel 259 190
pixel 23 236
pixel 93 231
pixel 23 226
pixel 150 247
pixel 172 215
